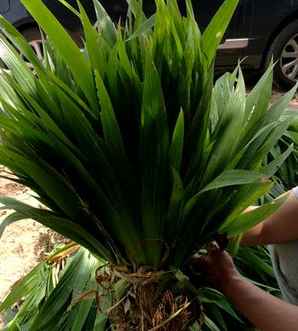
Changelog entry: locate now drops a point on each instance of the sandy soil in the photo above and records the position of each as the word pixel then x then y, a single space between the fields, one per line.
pixel 22 243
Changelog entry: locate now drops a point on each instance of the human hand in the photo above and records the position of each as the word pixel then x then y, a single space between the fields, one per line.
pixel 219 267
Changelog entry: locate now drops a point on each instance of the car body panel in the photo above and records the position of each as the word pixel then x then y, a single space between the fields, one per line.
pixel 17 14
pixel 267 20
pixel 252 29
pixel 4 6
pixel 19 17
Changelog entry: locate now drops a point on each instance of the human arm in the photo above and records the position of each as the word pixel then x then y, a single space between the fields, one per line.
pixel 263 310
pixel 281 227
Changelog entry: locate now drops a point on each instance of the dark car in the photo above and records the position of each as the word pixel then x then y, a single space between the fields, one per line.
pixel 259 30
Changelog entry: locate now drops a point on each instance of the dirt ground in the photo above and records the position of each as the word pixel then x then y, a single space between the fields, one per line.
pixel 23 243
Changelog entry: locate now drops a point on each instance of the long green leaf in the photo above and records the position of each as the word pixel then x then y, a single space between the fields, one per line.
pixel 249 219
pixel 214 32
pixel 176 149
pixel 226 179
pixel 69 51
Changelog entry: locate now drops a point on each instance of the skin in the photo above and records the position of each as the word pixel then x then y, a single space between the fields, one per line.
pixel 264 311
pixel 280 228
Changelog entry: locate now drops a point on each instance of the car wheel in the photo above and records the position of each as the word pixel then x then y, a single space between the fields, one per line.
pixel 284 50
pixel 33 36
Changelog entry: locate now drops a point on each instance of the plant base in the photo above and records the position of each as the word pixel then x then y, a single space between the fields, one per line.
pixel 155 301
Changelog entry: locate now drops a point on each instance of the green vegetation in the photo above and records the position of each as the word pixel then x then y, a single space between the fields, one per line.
pixel 136 156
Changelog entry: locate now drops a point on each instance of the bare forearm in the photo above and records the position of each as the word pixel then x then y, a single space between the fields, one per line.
pixel 265 312
pixel 253 237
pixel 280 228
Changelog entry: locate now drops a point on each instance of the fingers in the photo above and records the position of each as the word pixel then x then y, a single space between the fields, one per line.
pixel 222 241
pixel 214 250
pixel 214 257
pixel 212 247
pixel 199 262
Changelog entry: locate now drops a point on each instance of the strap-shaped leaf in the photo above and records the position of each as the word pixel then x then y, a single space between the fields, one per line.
pixel 14 217
pixel 143 30
pixel 245 197
pixel 249 219
pixel 91 40
pixel 73 276
pixel 270 169
pixel 26 285
pixel 215 31
pixel 104 22
pixel 154 149
pixel 20 43
pixel 233 177
pixel 111 130
pixel 58 224
pixel 226 179
pixel 176 149
pixel 21 72
pixel 66 47
pixel 279 107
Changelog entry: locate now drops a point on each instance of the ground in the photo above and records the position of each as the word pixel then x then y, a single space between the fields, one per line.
pixel 22 244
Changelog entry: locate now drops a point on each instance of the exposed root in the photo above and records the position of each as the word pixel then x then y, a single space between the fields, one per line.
pixel 153 302
pixel 170 308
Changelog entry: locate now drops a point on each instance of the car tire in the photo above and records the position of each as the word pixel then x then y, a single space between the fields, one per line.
pixel 284 51
pixel 33 36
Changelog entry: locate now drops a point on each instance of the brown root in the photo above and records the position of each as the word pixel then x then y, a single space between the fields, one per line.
pixel 152 305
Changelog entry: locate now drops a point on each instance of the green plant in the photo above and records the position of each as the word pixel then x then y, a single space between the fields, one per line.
pixel 288 173
pixel 56 281
pixel 64 284
pixel 134 153
pixel 287 176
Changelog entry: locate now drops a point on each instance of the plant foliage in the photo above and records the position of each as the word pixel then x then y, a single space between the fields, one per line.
pixel 58 294
pixel 127 142
pixel 132 150
pixel 66 278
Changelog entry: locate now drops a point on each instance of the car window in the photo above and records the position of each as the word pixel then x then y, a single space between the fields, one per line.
pixel 4 6
pixel 240 24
